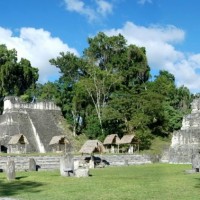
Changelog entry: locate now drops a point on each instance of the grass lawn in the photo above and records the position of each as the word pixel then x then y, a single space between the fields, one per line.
pixel 145 182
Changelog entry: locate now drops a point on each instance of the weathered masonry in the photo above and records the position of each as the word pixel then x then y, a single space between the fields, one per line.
pixel 186 142
pixel 29 127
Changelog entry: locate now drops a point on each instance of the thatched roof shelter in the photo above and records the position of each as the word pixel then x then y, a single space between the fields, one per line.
pixel 92 146
pixel 18 139
pixel 111 139
pixel 59 139
pixel 128 139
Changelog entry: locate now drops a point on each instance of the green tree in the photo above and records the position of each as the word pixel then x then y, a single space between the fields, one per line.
pixel 72 97
pixel 107 90
pixel 114 64
pixel 107 65
pixel 176 101
pixel 15 77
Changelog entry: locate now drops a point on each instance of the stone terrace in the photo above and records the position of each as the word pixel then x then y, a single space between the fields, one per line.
pixel 53 162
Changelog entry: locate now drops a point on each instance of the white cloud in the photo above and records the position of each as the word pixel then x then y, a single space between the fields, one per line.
pixel 75 5
pixel 186 74
pixel 80 7
pixel 144 1
pixel 104 7
pixel 101 9
pixel 38 46
pixel 162 53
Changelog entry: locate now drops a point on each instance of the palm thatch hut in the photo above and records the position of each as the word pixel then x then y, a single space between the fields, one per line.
pixel 92 146
pixel 18 144
pixel 130 140
pixel 111 141
pixel 59 143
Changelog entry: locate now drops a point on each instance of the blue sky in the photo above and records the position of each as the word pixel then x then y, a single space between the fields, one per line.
pixel 169 30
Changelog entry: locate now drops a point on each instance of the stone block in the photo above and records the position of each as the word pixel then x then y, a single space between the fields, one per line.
pixel 91 163
pixel 67 165
pixel 81 172
pixel 76 164
pixel 32 165
pixel 126 162
pixel 10 170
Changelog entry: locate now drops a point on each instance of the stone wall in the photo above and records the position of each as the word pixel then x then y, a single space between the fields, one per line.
pixel 14 103
pixel 130 159
pixel 53 162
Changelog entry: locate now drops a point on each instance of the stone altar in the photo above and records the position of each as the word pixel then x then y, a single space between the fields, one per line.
pixel 67 165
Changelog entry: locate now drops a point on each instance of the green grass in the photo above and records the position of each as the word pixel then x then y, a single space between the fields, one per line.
pixel 145 182
pixel 158 145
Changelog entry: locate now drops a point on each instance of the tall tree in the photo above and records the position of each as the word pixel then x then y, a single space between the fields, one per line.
pixel 106 64
pixel 107 90
pixel 114 64
pixel 15 77
pixel 72 69
pixel 176 101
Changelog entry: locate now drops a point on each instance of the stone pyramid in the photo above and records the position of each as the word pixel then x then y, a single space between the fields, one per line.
pixel 38 122
pixel 186 141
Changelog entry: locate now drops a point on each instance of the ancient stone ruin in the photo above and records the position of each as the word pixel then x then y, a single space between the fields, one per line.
pixel 71 167
pixel 196 162
pixel 10 170
pixel 186 142
pixel 29 127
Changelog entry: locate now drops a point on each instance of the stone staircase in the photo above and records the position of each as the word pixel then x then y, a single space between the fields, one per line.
pixel 53 162
pixel 22 163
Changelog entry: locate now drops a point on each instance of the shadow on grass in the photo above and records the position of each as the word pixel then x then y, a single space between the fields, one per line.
pixel 20 177
pixel 11 188
pixel 198 184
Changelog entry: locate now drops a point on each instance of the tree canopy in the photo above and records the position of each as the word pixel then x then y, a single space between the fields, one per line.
pixel 15 77
pixel 107 90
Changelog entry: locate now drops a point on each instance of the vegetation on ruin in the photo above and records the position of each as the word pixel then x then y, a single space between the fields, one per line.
pixel 109 89
pixel 158 181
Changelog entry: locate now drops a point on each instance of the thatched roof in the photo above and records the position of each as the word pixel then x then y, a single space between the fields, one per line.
pixel 59 139
pixel 111 139
pixel 92 146
pixel 18 139
pixel 128 139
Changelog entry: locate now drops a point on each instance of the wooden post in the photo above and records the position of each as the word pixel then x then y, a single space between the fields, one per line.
pixel 25 148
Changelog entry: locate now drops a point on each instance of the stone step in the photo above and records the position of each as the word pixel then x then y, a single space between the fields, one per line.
pixel 53 162
pixel 22 163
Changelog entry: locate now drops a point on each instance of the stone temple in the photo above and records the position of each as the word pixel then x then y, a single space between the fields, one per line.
pixel 186 141
pixel 32 125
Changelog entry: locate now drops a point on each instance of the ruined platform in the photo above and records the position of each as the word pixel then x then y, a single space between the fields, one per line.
pixel 38 122
pixel 186 141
